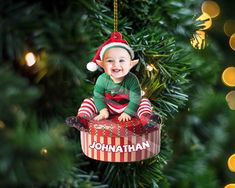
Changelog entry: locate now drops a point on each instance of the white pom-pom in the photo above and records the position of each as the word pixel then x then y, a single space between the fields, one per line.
pixel 91 66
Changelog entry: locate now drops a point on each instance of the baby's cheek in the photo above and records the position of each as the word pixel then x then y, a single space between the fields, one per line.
pixel 126 69
pixel 107 69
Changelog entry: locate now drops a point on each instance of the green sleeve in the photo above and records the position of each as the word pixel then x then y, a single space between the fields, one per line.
pixel 98 94
pixel 135 96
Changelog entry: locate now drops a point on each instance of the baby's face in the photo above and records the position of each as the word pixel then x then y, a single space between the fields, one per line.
pixel 117 63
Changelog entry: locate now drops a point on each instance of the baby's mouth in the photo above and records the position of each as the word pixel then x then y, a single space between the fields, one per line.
pixel 116 70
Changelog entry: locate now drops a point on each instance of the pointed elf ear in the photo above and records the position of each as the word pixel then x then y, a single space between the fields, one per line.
pixel 100 63
pixel 134 62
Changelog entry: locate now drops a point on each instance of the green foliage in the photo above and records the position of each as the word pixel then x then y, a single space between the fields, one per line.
pixel 30 156
pixel 191 170
pixel 77 177
pixel 17 96
pixel 204 136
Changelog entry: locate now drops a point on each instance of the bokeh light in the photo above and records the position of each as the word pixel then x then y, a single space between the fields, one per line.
pixel 230 186
pixel 30 59
pixel 232 41
pixel 198 40
pixel 2 125
pixel 206 19
pixel 228 76
pixel 231 166
pixel 43 152
pixel 211 8
pixel 230 98
pixel 229 27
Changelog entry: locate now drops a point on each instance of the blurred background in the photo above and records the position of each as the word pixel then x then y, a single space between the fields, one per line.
pixel 187 69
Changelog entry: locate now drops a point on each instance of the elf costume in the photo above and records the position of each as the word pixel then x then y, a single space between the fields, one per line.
pixel 116 97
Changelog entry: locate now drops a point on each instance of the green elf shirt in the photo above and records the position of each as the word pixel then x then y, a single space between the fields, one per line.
pixel 117 96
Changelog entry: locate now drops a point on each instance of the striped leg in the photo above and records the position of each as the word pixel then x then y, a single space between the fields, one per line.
pixel 144 112
pixel 85 112
pixel 87 109
pixel 144 107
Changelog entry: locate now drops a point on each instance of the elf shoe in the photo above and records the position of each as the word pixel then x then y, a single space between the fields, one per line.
pixel 151 121
pixel 79 123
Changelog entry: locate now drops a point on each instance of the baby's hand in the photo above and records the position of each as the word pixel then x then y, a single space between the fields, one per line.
pixel 124 117
pixel 104 114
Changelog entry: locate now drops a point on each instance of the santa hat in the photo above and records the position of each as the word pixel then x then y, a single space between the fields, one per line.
pixel 115 40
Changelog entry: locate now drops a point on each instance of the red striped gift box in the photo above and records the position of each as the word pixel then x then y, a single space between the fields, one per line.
pixel 114 141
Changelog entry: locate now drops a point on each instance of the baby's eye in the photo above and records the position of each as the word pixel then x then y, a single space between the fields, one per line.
pixel 121 60
pixel 109 61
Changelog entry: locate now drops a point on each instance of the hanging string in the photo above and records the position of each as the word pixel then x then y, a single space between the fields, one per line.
pixel 115 26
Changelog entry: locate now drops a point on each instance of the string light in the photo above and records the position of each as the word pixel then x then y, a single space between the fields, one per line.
pixel 229 27
pixel 43 152
pixel 207 21
pixel 30 59
pixel 142 92
pixel 149 68
pixel 211 8
pixel 228 76
pixel 198 40
pixel 232 41
pixel 230 98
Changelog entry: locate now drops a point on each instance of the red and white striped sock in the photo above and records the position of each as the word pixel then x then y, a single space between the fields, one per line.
pixel 145 114
pixel 144 111
pixel 87 109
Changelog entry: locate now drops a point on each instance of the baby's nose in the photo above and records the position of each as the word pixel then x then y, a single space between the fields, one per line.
pixel 116 63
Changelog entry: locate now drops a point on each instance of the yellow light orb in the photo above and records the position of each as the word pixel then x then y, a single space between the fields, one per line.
pixel 207 21
pixel 230 98
pixel 211 8
pixel 30 59
pixel 228 76
pixel 198 40
pixel 149 68
pixel 229 27
pixel 43 151
pixel 232 41
pixel 230 186
pixel 231 163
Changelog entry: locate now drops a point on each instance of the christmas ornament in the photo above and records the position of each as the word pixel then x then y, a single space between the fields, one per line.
pixel 117 124
pixel 114 141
